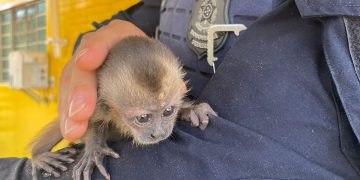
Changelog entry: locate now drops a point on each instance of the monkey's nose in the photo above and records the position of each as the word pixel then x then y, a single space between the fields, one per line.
pixel 156 136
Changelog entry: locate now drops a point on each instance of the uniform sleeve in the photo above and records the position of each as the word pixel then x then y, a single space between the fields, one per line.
pixel 145 15
pixel 15 168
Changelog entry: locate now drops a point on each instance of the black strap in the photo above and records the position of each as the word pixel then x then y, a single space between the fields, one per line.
pixel 353 33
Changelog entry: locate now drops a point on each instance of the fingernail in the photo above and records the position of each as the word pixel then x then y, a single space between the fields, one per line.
pixel 81 53
pixel 76 105
pixel 70 126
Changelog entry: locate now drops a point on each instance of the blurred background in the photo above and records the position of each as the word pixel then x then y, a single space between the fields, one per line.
pixel 37 39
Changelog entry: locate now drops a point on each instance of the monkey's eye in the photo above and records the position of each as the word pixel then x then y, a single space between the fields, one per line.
pixel 168 111
pixel 142 119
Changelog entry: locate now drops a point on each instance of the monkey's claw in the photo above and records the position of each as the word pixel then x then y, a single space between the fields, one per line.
pixel 198 115
pixel 49 163
pixel 92 158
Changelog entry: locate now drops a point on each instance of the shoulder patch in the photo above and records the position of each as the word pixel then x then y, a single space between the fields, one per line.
pixel 204 14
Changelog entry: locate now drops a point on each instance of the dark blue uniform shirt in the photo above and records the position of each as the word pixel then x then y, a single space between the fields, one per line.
pixel 287 94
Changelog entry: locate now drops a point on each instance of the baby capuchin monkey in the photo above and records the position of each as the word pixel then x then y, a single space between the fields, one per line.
pixel 140 95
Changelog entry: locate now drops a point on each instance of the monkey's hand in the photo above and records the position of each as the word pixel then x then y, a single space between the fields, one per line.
pixel 197 114
pixel 92 157
pixel 95 151
pixel 48 163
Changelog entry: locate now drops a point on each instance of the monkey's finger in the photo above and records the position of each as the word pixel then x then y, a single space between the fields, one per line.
pixel 57 165
pixel 88 170
pixel 78 169
pixel 68 150
pixel 204 125
pixel 202 111
pixel 100 166
pixel 34 172
pixel 60 157
pixel 62 167
pixel 194 119
pixel 47 168
pixel 211 112
pixel 204 120
pixel 76 175
pixel 205 107
pixel 110 152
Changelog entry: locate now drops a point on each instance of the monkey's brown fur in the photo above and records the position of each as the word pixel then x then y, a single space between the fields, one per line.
pixel 139 96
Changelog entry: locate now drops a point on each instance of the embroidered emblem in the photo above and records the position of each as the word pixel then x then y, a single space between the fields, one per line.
pixel 204 14
pixel 207 12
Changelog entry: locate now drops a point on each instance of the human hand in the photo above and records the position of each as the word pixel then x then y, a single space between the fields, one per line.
pixel 77 94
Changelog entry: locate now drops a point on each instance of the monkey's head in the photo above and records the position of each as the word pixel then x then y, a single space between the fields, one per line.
pixel 141 83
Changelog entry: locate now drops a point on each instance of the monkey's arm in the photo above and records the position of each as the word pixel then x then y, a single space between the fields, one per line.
pixel 48 161
pixel 197 114
pixel 95 151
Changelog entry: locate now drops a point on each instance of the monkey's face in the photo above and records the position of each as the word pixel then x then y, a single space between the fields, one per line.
pixel 140 82
pixel 151 125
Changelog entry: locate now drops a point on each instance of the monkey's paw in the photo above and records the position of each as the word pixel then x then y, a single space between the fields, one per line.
pixel 49 163
pixel 93 157
pixel 198 115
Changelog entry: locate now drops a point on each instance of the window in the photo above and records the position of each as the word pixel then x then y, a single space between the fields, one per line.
pixel 5 44
pixel 22 28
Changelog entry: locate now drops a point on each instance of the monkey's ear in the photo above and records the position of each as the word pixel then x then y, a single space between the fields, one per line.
pixel 183 88
pixel 102 104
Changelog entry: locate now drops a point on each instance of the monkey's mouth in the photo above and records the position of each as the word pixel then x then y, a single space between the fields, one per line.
pixel 147 140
